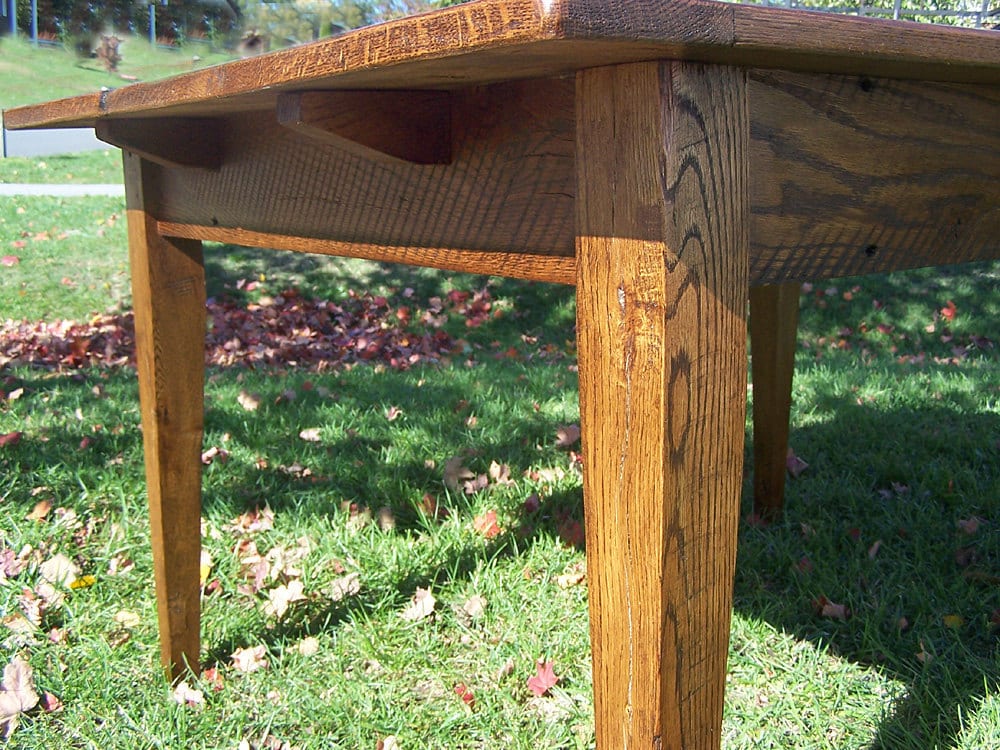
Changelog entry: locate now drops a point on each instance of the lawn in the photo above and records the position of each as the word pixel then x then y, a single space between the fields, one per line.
pixel 339 494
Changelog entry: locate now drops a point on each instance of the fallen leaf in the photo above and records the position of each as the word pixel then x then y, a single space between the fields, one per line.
pixel 10 438
pixel 187 695
pixel 59 570
pixel 204 567
pixel 567 435
pixel 281 597
pixel 949 311
pixel 9 260
pixel 544 678
pixel 50 703
pixel 873 550
pixel 953 621
pixel 347 585
pixel 393 413
pixel 575 574
pixel 387 743
pixel 83 582
pixel 455 473
pixel 41 509
pixel 826 608
pixel 17 693
pixel 794 464
pixel 486 525
pixel 252 521
pixel 421 606
pixel 249 659
pixel 970 525
pixel 311 434
pixel 465 693
pixel 308 646
pixel 213 678
pixel 127 619
pixel 475 606
pixel 923 656
pixel 249 401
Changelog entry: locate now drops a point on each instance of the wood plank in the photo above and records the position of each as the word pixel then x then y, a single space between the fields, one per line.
pixel 661 319
pixel 774 318
pixel 547 268
pixel 831 156
pixel 168 291
pixel 509 187
pixel 178 142
pixel 494 40
pixel 863 175
pixel 412 126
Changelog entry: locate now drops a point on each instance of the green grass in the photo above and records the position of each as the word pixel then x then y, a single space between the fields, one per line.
pixel 38 74
pixel 900 448
pixel 84 168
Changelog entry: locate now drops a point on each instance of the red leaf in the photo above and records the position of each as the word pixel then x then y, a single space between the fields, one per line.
pixel 949 311
pixel 10 438
pixel 544 678
pixel 487 525
pixel 462 691
pixel 9 260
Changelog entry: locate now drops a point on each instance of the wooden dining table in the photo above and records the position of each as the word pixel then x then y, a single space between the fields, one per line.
pixel 672 159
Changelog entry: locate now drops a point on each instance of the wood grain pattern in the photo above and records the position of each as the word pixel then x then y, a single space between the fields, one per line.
pixel 512 265
pixel 661 316
pixel 179 142
pixel 774 319
pixel 168 290
pixel 864 175
pixel 493 40
pixel 832 158
pixel 413 126
pixel 509 187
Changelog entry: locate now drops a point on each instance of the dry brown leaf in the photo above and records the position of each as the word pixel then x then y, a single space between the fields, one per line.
pixel 421 606
pixel 17 693
pixel 475 606
pixel 59 570
pixel 41 509
pixel 281 597
pixel 574 575
pixel 455 473
pixel 794 464
pixel 311 434
pixel 249 401
pixel 347 585
pixel 567 435
pixel 187 695
pixel 249 659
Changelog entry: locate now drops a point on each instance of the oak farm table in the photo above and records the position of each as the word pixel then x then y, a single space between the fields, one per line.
pixel 665 156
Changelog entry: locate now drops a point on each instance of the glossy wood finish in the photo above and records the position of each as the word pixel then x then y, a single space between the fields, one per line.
pixel 661 319
pixel 664 156
pixel 774 318
pixel 168 291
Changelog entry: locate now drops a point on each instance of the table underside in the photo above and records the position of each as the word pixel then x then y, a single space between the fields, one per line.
pixel 848 175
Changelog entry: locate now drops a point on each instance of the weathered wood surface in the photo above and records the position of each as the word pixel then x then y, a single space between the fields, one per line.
pixel 508 188
pixel 774 318
pixel 493 40
pixel 178 142
pixel 168 291
pixel 413 126
pixel 661 317
pixel 860 175
pixel 548 268
pixel 849 175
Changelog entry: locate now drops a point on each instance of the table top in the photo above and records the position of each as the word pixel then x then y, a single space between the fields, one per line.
pixel 488 41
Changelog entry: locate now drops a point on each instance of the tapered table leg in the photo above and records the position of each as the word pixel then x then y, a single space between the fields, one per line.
pixel 168 289
pixel 774 318
pixel 662 254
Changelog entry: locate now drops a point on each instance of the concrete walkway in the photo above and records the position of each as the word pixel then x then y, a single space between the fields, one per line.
pixel 62 191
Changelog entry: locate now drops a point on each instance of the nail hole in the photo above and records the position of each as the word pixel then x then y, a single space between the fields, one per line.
pixel 871 250
pixel 215 222
pixel 866 84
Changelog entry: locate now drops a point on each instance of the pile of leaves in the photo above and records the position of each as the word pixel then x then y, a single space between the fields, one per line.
pixel 284 330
